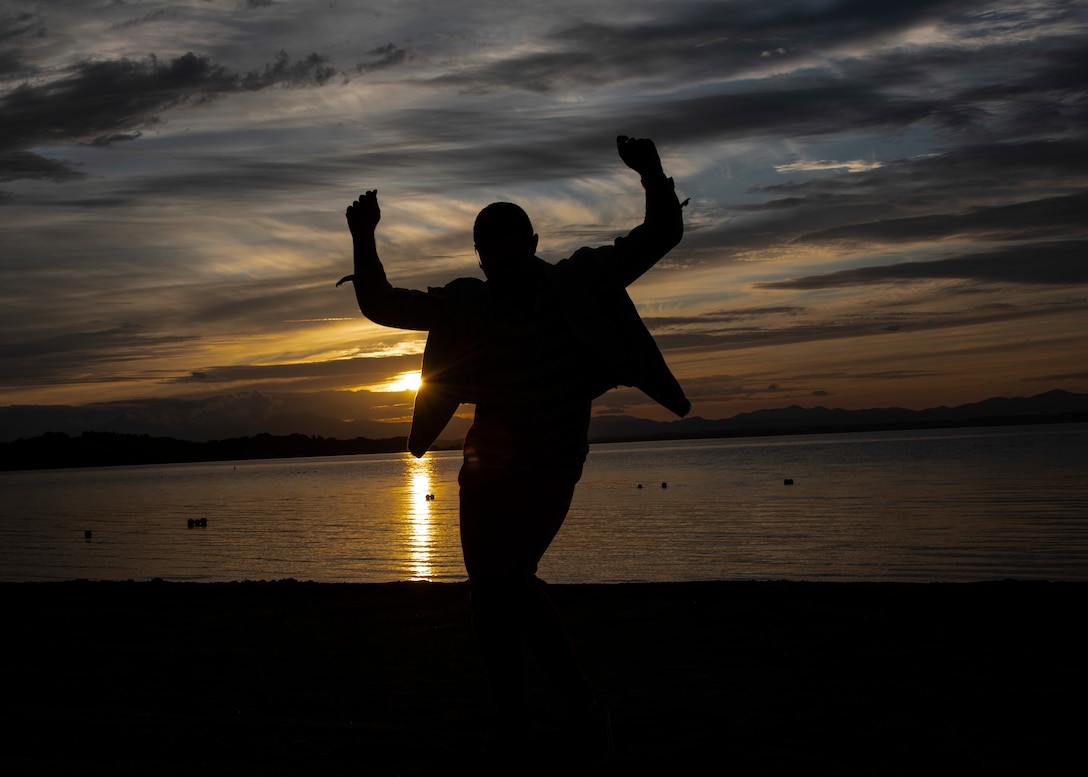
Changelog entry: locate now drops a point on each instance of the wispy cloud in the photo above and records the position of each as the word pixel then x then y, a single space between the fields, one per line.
pixel 1058 263
pixel 107 101
pixel 850 166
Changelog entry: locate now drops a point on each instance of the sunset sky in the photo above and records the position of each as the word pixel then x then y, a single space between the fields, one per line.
pixel 888 199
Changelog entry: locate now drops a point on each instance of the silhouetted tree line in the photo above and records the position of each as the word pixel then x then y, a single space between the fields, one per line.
pixel 105 449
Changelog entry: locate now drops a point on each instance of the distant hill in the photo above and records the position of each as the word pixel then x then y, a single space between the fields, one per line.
pixel 1051 407
pixel 202 419
pixel 105 448
pixel 102 449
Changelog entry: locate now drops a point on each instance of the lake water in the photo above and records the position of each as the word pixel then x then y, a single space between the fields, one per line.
pixel 955 505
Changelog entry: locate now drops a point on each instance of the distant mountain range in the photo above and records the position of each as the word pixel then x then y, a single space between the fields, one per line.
pixel 213 417
pixel 1053 406
pixel 103 448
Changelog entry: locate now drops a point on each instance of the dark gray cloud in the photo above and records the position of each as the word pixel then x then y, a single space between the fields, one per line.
pixel 691 40
pixel 10 64
pixel 969 170
pixel 89 355
pixel 20 25
pixel 887 93
pixel 717 332
pixel 283 71
pixel 734 338
pixel 1049 218
pixel 382 57
pixel 657 323
pixel 95 98
pixel 891 89
pixel 16 165
pixel 154 17
pixel 1057 263
pixel 1017 192
pixel 892 95
pixel 99 100
pixel 235 176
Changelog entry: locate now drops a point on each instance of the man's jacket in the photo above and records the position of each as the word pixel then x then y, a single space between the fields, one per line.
pixel 601 314
pixel 590 287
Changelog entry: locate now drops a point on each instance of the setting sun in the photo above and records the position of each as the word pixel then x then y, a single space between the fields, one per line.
pixel 406 381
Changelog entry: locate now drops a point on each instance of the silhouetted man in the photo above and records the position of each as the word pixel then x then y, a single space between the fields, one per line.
pixel 531 346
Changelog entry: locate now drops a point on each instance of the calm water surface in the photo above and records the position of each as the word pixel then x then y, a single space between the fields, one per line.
pixel 962 505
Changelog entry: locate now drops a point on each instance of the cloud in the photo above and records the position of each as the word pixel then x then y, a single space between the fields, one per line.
pixel 891 328
pixel 310 71
pixel 21 24
pixel 690 41
pixel 850 166
pixel 382 57
pixel 10 63
pixel 163 15
pixel 15 165
pixel 1010 192
pixel 100 100
pixel 1014 170
pixel 1058 263
pixel 1045 218
pixel 118 354
pixel 319 374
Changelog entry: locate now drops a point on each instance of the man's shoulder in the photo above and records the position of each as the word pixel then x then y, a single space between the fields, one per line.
pixel 584 255
pixel 586 265
pixel 585 258
pixel 458 287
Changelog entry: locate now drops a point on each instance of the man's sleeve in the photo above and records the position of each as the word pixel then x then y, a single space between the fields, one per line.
pixel 400 308
pixel 658 234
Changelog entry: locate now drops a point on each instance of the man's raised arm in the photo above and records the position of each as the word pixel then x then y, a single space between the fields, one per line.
pixel 663 226
pixel 378 300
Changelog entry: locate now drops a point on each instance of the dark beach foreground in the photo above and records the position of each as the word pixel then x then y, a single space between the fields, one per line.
pixel 749 678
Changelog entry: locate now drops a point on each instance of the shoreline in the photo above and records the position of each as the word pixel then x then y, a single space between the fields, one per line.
pixel 94 449
pixel 761 677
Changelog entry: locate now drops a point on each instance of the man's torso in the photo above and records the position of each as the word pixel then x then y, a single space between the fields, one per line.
pixel 536 381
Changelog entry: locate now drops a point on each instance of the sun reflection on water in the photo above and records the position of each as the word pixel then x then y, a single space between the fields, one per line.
pixel 420 518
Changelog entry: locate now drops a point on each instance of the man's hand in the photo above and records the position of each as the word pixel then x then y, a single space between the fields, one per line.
pixel 640 154
pixel 364 214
